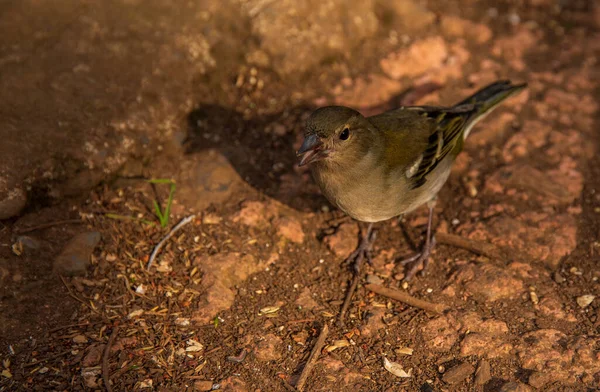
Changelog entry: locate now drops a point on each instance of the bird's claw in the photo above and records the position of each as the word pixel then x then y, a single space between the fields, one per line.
pixel 362 252
pixel 420 261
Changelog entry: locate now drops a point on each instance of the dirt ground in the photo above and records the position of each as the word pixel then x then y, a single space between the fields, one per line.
pixel 100 97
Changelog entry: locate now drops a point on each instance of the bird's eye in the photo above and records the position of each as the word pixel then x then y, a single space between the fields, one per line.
pixel 345 134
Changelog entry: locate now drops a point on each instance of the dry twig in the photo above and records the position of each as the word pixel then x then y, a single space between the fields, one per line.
pixel 312 358
pixel 406 298
pixel 47 225
pixel 162 242
pixel 105 357
pixel 348 299
pixel 477 247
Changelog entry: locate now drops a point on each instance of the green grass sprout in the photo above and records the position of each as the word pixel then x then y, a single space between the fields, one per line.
pixel 163 216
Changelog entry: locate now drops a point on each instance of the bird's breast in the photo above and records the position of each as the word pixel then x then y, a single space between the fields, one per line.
pixel 365 192
pixel 370 193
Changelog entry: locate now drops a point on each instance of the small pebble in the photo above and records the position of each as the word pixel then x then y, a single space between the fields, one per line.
pixel 374 279
pixel 458 373
pixel 585 300
pixel 558 278
pixel 483 373
pixel 514 19
pixel 203 385
pixel 80 339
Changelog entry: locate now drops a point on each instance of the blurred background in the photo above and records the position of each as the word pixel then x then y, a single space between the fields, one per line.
pixel 99 97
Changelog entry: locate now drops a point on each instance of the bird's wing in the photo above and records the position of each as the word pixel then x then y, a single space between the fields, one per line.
pixel 429 133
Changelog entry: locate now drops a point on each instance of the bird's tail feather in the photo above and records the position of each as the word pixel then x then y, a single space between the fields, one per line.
pixel 487 99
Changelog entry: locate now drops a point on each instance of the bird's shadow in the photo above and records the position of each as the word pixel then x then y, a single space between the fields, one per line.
pixel 261 149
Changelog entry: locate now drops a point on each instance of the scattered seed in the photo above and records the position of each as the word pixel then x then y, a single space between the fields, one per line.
pixel 404 350
pixel 269 310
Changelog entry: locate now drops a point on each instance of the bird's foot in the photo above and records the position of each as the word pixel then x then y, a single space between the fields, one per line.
pixel 362 253
pixel 420 261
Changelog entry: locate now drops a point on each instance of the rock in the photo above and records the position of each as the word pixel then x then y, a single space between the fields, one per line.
pixel 29 242
pixel 305 299
pixel 407 15
pixel 344 241
pixel 340 372
pixel 568 102
pixel 483 373
pixel 12 203
pixel 556 357
pixel 473 322
pixel 513 48
pixel 93 356
pixel 552 187
pixel 440 333
pixel 221 273
pixel 455 26
pixel 296 45
pixel 233 384
pixel 514 386
pixel 205 179
pixel 534 236
pixel 75 256
pixel 290 228
pixel 553 307
pixel 269 348
pixel 368 91
pixel 492 131
pixel 373 321
pixel 122 343
pixel 492 283
pixel 419 58
pixel 532 135
pixel 256 214
pixel 458 373
pixel 300 337
pixel 374 279
pixel 90 376
pixel 490 346
pixel 203 385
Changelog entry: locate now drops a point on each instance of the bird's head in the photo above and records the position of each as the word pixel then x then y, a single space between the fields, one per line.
pixel 335 134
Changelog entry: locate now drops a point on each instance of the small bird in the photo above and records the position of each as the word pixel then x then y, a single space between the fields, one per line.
pixel 380 167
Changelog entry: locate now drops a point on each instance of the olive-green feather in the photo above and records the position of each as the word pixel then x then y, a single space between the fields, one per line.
pixel 432 133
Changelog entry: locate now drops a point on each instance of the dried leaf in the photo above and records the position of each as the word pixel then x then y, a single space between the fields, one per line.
pixel 194 346
pixel 6 373
pixel 395 368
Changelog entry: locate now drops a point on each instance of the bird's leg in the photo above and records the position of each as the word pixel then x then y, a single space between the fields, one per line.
pixel 363 251
pixel 421 260
pixel 357 258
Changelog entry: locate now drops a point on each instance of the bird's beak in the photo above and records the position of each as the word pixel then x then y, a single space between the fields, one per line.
pixel 311 150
